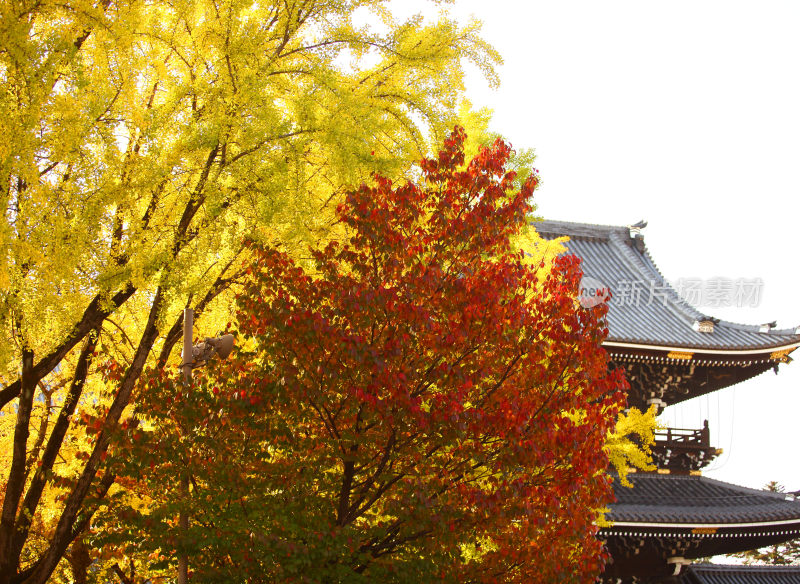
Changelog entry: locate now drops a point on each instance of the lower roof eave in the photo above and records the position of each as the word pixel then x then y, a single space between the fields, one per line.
pixel 777 523
pixel 631 526
pixel 703 350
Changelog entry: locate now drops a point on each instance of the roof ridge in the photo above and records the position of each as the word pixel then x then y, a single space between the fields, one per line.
pixel 636 262
pixel 692 311
pixel 695 313
pixel 560 226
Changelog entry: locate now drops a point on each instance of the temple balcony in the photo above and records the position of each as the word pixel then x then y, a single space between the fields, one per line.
pixel 681 449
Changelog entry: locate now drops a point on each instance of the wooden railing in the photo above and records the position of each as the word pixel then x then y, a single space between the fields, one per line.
pixel 684 437
pixel 683 449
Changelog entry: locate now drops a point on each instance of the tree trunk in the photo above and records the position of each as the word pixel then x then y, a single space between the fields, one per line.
pixel 79 561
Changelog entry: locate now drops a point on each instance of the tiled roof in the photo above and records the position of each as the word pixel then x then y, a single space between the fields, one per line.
pixel 729 574
pixel 645 308
pixel 697 500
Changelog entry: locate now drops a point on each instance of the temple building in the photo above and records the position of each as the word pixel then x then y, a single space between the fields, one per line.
pixel 672 352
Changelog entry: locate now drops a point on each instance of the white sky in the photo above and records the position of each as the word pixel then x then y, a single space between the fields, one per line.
pixel 686 114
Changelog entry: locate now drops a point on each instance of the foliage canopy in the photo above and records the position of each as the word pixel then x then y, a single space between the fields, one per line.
pixel 419 402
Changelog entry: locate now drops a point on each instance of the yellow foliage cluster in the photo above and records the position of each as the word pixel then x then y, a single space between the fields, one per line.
pixel 125 116
pixel 628 447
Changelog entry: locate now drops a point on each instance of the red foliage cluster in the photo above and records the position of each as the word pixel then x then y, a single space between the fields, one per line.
pixel 415 404
pixel 450 401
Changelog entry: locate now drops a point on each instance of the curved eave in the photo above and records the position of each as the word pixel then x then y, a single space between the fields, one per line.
pixel 642 550
pixel 697 528
pixel 734 354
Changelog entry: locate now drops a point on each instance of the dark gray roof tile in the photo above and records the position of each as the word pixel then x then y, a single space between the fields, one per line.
pixel 692 500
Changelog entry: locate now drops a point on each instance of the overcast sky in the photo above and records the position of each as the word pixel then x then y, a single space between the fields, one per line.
pixel 686 114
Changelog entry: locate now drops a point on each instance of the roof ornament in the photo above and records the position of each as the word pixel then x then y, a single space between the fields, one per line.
pixel 636 234
pixel 767 326
pixel 705 324
pixel 636 228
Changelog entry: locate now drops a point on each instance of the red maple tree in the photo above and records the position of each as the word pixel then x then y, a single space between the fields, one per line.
pixel 416 403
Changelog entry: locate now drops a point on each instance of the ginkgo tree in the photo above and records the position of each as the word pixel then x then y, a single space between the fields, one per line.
pixel 421 401
pixel 143 143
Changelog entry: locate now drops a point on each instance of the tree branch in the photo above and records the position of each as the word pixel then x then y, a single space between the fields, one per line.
pixel 65 532
pixel 16 475
pixel 39 482
pixel 99 308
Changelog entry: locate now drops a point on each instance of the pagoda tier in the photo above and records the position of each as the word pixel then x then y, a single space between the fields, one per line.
pixel 666 520
pixel 670 351
pixel 672 377
pixel 678 449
